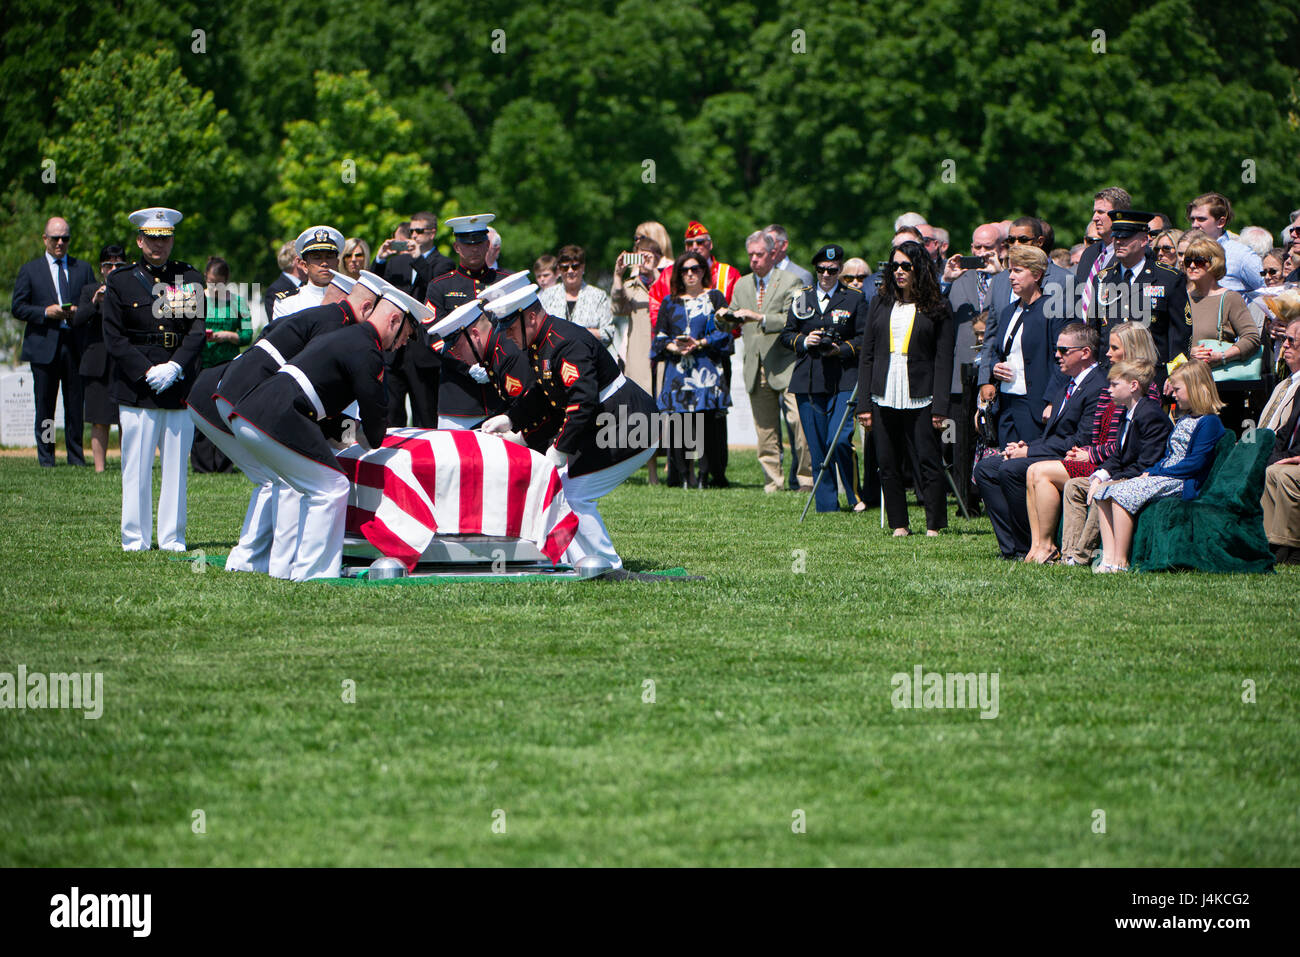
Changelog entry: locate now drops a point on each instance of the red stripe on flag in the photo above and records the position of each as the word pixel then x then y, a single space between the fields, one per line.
pixel 409 501
pixel 519 464
pixel 389 543
pixel 356 518
pixel 423 467
pixel 471 482
pixel 560 536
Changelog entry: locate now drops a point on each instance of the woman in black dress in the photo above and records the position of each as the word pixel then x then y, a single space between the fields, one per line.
pixel 96 368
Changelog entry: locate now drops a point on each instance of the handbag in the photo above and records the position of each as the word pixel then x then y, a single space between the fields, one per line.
pixel 1236 370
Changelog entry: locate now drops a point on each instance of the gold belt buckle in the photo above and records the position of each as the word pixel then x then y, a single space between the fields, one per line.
pixel 169 340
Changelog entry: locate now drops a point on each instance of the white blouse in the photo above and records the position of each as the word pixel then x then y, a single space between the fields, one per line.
pixel 897 392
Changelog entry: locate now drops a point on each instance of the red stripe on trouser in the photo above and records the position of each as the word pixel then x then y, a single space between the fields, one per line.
pixel 471 483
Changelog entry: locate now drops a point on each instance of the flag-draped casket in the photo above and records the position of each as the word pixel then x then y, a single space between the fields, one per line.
pixel 424 482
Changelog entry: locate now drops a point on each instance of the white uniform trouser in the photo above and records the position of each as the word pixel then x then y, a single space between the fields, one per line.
pixel 324 510
pixel 460 422
pixel 581 493
pixel 259 548
pixel 144 431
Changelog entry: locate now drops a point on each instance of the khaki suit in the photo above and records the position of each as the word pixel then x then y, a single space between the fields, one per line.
pixel 768 365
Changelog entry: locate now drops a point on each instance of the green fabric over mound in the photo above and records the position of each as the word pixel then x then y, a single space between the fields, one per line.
pixel 1222 529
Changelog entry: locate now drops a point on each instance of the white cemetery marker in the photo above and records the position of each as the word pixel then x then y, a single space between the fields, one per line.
pixel 18 410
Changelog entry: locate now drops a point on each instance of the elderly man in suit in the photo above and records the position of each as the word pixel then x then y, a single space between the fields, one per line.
pixel 1002 478
pixel 760 301
pixel 45 296
pixel 1281 499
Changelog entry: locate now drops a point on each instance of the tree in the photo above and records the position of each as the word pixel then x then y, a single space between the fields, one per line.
pixel 352 167
pixel 131 133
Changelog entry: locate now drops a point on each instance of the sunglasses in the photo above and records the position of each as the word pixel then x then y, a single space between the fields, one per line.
pixel 638 237
pixel 570 266
pixel 1020 239
pixel 1295 230
pixel 1066 350
pixel 58 239
pixel 827 270
pixel 1165 249
pixel 1291 341
pixel 900 264
pixel 1201 261
pixel 109 267
pixel 856 277
pixel 424 229
pixel 693 269
pixel 1272 272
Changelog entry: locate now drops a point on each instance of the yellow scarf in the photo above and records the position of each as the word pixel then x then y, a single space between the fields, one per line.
pixel 907 333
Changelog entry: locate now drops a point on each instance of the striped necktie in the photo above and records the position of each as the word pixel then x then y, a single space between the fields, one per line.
pixel 1087 288
pixel 762 281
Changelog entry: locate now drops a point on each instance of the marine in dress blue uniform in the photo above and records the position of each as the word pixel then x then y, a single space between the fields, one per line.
pixel 577 384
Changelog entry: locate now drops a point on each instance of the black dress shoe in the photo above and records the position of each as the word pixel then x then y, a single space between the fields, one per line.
pixel 1281 553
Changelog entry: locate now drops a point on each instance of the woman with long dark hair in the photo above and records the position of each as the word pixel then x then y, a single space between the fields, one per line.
pixel 905 371
pixel 692 348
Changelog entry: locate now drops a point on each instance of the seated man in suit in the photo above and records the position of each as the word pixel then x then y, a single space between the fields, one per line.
pixel 1281 499
pixel 1001 479
pixel 1139 446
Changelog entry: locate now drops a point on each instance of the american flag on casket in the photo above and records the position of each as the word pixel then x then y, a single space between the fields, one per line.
pixel 423 482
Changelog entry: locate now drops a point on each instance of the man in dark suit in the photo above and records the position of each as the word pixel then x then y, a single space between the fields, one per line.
pixel 45 296
pixel 1098 254
pixel 1001 478
pixel 1134 287
pixel 292 275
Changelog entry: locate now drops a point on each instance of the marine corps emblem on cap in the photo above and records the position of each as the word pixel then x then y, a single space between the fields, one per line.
pixel 695 230
pixel 155 220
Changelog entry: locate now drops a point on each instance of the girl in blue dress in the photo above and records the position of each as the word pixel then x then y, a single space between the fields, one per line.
pixel 1188 458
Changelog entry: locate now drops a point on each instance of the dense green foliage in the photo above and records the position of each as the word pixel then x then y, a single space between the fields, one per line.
pixel 772 692
pixel 830 117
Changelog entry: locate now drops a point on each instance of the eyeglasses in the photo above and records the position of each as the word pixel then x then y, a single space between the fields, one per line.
pixel 1020 239
pixel 58 239
pixel 1201 261
pixel 699 269
pixel 568 267
pixel 1066 350
pixel 856 277
pixel 827 270
pixel 901 264
pixel 1165 249
pixel 1272 272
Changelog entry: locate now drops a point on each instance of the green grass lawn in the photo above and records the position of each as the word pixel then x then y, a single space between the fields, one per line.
pixel 1118 693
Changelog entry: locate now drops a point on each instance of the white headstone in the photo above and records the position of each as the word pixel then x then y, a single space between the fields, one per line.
pixel 18 409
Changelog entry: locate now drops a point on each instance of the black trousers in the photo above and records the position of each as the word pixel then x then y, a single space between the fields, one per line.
pixel 897 431
pixel 206 457
pixel 46 379
pixel 710 440
pixel 1002 487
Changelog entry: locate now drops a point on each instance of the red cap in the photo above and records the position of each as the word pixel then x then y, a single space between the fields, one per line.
pixel 695 230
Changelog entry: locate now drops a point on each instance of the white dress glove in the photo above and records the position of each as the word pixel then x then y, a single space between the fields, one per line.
pixel 478 373
pixel 557 458
pixel 161 377
pixel 497 425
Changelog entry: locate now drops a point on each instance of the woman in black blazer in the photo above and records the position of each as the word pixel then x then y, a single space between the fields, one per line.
pixel 906 351
pixel 96 376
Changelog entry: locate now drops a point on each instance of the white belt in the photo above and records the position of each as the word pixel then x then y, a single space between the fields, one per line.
pixel 308 389
pixel 613 387
pixel 271 351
